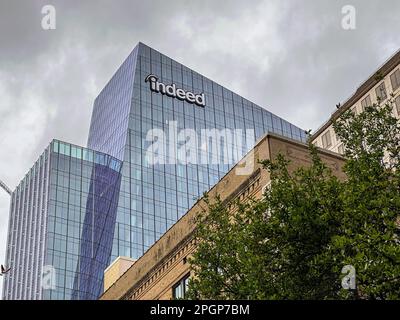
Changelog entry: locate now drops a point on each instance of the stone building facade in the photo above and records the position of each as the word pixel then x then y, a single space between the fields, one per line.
pixel 161 273
pixel 382 83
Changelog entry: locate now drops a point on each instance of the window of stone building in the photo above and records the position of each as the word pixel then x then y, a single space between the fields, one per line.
pixel 341 149
pixel 336 136
pixel 381 91
pixel 395 79
pixel 366 102
pixel 180 288
pixel 397 103
pixel 326 139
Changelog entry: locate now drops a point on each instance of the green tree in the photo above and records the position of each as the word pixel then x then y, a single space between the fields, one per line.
pixel 293 243
pixel 369 237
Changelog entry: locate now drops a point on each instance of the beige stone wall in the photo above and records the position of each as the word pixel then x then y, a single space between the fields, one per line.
pixel 165 263
pixel 299 156
pixel 116 270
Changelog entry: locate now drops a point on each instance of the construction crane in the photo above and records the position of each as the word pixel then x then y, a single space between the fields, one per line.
pixel 6 189
pixel 5 270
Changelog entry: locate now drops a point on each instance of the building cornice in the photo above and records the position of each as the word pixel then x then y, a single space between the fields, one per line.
pixel 365 87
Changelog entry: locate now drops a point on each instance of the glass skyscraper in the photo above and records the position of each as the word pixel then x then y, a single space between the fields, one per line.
pixel 153 197
pixel 62 220
pixel 126 202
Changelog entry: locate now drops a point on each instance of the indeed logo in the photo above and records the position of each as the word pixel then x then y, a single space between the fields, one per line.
pixel 172 91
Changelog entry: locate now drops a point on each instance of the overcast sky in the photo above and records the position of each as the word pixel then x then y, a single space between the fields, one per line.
pixel 291 57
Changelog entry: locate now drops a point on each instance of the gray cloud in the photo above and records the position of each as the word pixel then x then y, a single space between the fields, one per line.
pixel 292 57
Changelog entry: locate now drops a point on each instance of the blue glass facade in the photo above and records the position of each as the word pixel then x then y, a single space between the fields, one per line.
pixel 110 117
pixel 98 230
pixel 78 209
pixel 153 197
pixel 55 226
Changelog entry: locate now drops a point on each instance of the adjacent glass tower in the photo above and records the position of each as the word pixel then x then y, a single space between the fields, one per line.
pixel 61 226
pixel 78 209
